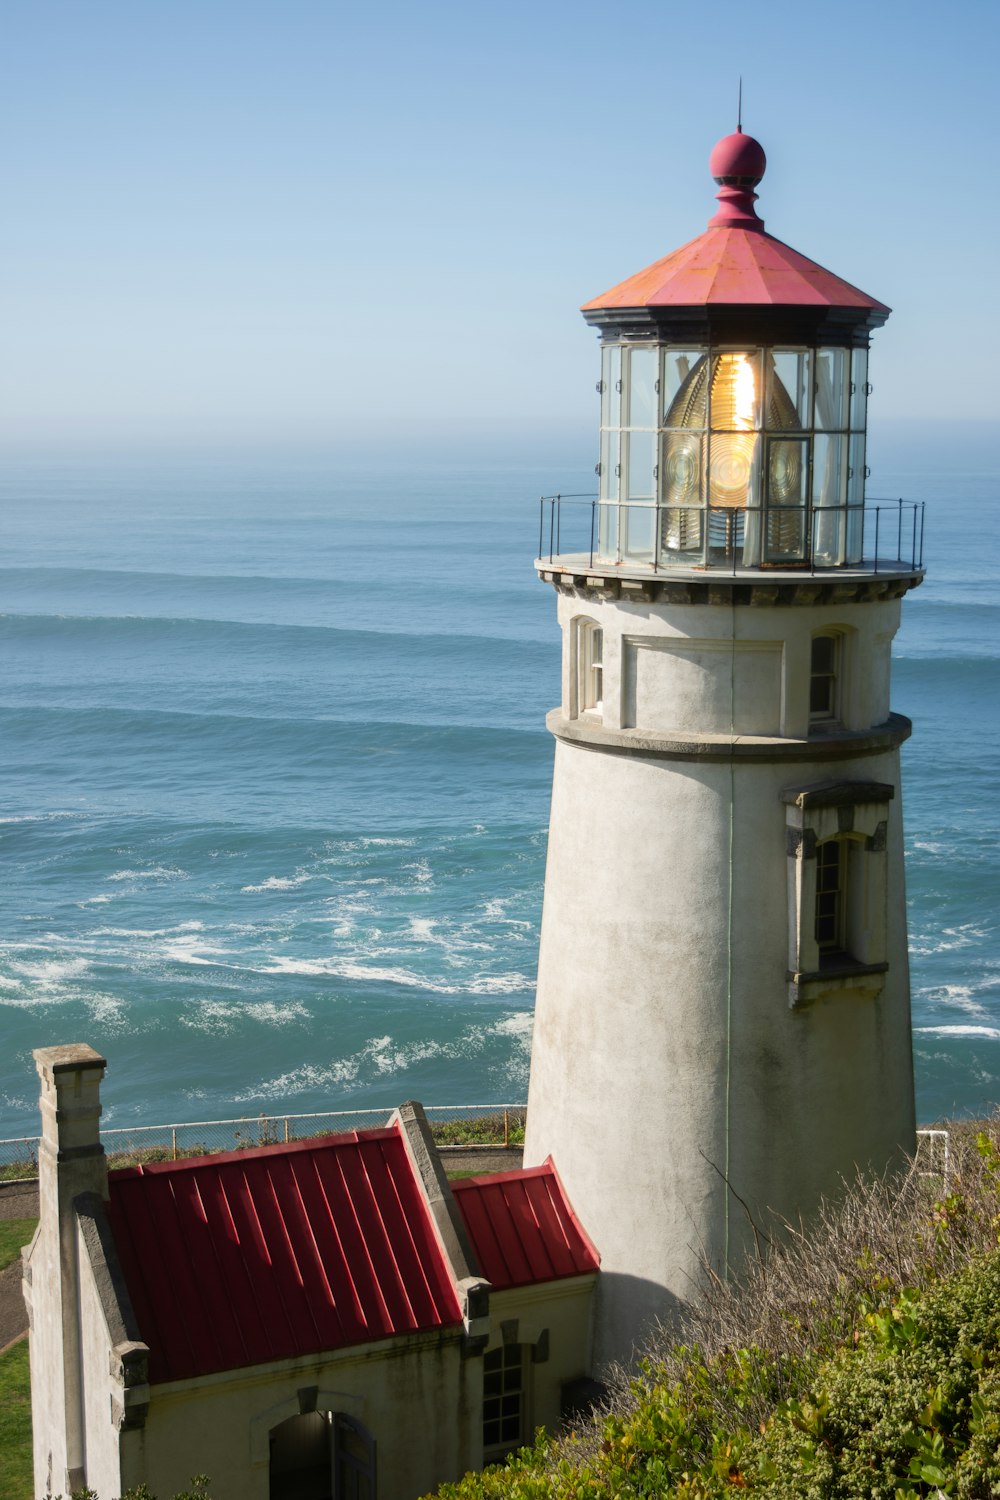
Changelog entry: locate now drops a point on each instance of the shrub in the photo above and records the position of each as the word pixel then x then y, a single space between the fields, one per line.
pixel 860 1356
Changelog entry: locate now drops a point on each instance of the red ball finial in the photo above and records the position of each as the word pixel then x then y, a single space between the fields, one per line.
pixel 737 163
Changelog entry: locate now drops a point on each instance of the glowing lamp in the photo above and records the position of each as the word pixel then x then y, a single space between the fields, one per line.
pixel 734 385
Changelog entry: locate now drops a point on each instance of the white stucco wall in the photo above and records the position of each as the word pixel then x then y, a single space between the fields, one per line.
pixel 669 668
pixel 418 1397
pixel 70 1163
pixel 665 1056
pixel 41 1294
pixel 100 1430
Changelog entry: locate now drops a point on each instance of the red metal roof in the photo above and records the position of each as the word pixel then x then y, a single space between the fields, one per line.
pixel 735 263
pixel 522 1227
pixel 287 1250
pixel 734 267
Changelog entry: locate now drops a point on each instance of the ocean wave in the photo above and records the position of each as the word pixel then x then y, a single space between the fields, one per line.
pixel 383 1057
pixel 990 1033
pixel 213 634
pixel 46 817
pixel 288 738
pixel 966 935
pixel 47 974
pixel 276 883
pixel 110 1012
pixel 224 1017
pixel 154 872
pixel 510 983
pixel 149 932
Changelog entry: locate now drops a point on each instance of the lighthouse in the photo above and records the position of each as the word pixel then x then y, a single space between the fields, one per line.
pixel 722 1023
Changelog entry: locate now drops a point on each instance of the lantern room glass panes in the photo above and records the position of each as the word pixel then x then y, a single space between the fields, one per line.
pixel 859 389
pixel 732 456
pixel 789 388
pixel 610 463
pixel 642 387
pixel 831 389
pixel 641 463
pixel 678 365
pixel 611 386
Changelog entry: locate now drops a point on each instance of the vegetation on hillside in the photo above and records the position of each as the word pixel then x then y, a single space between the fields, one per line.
pixel 505 1128
pixel 862 1358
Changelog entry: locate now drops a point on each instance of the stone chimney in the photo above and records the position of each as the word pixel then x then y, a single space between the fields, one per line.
pixel 71 1161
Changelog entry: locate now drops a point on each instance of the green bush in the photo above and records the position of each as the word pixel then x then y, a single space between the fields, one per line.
pixel 859 1358
pixel 486 1130
pixel 196 1492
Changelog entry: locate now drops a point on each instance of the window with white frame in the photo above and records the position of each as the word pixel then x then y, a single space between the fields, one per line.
pixel 589 651
pixel 837 836
pixel 825 668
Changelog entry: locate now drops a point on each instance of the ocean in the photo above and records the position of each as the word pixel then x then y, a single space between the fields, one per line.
pixel 275 776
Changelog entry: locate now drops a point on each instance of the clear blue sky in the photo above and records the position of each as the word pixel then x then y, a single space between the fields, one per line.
pixel 300 222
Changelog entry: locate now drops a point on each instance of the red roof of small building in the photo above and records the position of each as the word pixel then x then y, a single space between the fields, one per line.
pixel 735 263
pixel 263 1255
pixel 522 1227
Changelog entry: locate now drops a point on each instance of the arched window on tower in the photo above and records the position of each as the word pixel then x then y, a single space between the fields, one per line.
pixel 825 678
pixel 589 666
pixel 832 927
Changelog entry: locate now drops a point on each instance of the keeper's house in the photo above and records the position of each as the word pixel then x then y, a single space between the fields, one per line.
pixel 319 1320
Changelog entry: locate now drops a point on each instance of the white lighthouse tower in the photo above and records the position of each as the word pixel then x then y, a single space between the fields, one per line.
pixel 722 1028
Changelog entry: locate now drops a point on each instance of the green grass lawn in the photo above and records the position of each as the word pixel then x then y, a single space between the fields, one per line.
pixel 15 1424
pixel 13 1234
pixel 15 1387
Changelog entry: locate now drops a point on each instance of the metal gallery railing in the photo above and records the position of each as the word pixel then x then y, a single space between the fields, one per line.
pixel 879 536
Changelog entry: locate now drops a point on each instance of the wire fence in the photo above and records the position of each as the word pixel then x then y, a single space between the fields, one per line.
pixel 463 1125
pixel 468 1126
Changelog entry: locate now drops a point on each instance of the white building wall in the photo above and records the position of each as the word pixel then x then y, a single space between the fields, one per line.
pixel 100 1427
pixel 417 1396
pixel 553 1319
pixel 70 1162
pixel 666 1059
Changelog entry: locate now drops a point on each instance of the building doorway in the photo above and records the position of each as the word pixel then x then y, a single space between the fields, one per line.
pixel 322 1455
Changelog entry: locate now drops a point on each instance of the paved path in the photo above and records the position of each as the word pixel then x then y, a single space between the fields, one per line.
pixel 18 1200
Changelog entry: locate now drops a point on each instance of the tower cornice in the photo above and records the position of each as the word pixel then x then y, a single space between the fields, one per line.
pixel 577 577
pixel 839 744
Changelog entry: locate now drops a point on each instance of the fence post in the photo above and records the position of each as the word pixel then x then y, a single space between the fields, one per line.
pixel 287 1136
pixel 506 1129
pixel 173 1141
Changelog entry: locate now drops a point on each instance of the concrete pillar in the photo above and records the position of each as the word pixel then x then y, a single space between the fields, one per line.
pixel 71 1161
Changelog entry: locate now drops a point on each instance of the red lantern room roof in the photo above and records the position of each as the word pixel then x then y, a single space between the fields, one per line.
pixel 735 263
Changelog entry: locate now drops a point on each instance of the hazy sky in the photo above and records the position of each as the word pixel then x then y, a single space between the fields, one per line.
pixel 302 222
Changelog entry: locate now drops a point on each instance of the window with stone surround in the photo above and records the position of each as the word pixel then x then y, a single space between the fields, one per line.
pixel 836 844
